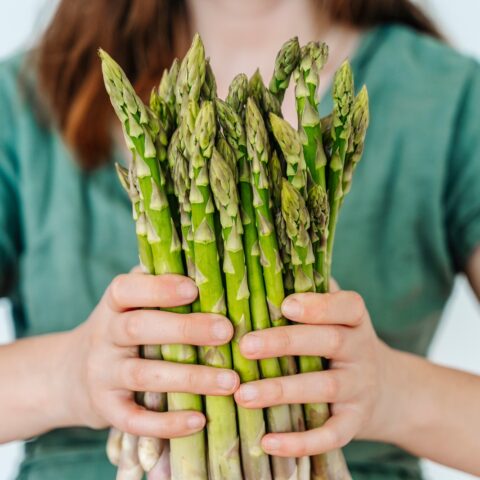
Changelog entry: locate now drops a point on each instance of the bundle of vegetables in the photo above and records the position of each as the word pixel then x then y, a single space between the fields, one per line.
pixel 232 195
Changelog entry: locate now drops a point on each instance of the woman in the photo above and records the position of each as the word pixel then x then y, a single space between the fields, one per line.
pixel 411 222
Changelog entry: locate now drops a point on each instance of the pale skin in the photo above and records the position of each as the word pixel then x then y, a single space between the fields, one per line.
pixel 85 377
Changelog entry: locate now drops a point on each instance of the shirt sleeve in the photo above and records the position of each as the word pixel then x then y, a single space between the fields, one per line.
pixel 463 181
pixel 9 198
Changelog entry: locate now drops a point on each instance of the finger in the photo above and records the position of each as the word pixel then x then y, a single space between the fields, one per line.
pixel 152 327
pixel 136 291
pixel 336 433
pixel 131 418
pixel 316 387
pixel 330 341
pixel 339 308
pixel 139 375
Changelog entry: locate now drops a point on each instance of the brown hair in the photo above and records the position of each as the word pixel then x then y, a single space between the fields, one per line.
pixel 139 35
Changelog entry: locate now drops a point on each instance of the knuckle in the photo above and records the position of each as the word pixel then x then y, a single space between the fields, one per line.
pixel 132 327
pixel 129 422
pixel 276 390
pixel 188 378
pixel 284 339
pixel 331 387
pixel 358 307
pixel 169 424
pixel 185 328
pixel 337 340
pixel 117 288
pixel 332 438
pixel 301 450
pixel 135 374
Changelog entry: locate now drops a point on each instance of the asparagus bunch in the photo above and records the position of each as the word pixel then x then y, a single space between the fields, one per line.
pixel 246 204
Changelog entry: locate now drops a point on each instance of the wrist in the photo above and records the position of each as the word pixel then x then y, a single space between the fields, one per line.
pixel 392 411
pixel 59 387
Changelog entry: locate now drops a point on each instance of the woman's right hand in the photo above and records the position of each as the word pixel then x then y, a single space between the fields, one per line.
pixel 103 368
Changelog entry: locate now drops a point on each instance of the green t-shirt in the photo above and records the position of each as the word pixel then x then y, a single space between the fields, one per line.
pixel 410 222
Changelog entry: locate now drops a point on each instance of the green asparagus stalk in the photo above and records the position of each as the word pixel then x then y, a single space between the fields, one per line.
pixel 276 176
pixel 162 111
pixel 278 417
pixel 297 220
pixel 251 423
pixel 228 154
pixel 181 182
pixel 291 146
pixel 149 448
pixel 209 87
pixel 166 89
pixel 285 63
pixel 340 134
pixel 256 135
pixel 139 128
pixel 238 93
pixel 356 142
pixel 266 101
pixel 307 79
pixel 224 459
pixel 191 76
pixel 319 209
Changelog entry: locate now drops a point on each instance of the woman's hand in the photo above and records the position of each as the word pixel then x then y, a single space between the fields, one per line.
pixel 336 326
pixel 104 368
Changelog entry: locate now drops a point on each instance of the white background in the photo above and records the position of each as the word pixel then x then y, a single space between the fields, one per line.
pixel 456 343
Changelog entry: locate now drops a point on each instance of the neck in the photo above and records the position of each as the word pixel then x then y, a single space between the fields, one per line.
pixel 241 35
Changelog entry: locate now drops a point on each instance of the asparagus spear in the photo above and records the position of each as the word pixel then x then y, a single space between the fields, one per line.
pixel 356 142
pixel 297 220
pixel 181 183
pixel 318 207
pixel 291 146
pixel 114 446
pixel 307 78
pixel 139 127
pixel 129 467
pixel 256 135
pixel 228 154
pixel 266 101
pixel 161 109
pixel 224 460
pixel 278 417
pixel 166 89
pixel 149 448
pixel 276 176
pixel 285 63
pixel 340 134
pixel 191 75
pixel 238 93
pixel 209 87
pixel 251 424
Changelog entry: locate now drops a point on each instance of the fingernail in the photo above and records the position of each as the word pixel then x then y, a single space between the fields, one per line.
pixel 292 308
pixel 195 421
pixel 252 344
pixel 226 380
pixel 248 392
pixel 186 289
pixel 221 330
pixel 271 443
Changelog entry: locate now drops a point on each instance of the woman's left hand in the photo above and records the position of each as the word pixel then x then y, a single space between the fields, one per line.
pixel 336 326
